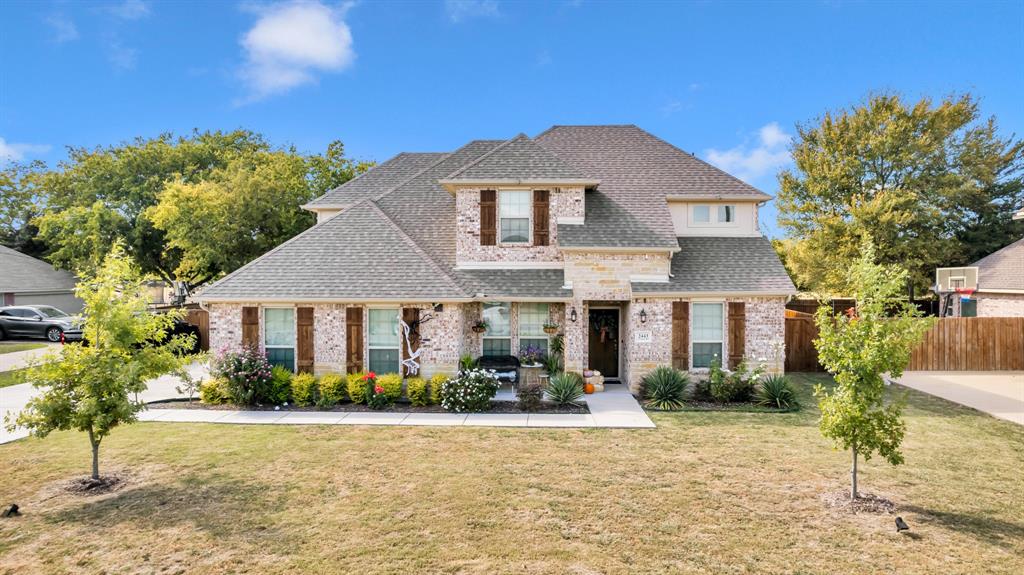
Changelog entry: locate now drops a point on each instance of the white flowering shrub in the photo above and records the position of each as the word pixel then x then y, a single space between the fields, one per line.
pixel 471 391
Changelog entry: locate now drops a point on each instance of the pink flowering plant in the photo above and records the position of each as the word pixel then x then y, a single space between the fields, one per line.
pixel 246 373
pixel 470 392
pixel 375 396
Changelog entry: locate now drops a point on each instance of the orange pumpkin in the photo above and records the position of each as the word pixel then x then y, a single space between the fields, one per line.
pixel 588 388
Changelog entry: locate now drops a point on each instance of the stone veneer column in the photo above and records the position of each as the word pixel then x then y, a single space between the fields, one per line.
pixel 328 338
pixel 576 336
pixel 442 340
pixel 642 358
pixel 765 336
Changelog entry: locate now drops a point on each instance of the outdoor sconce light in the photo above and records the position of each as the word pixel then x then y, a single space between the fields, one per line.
pixel 643 316
pixel 572 315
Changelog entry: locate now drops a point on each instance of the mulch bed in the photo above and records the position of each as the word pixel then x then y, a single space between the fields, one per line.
pixel 744 406
pixel 865 503
pixel 496 407
pixel 90 486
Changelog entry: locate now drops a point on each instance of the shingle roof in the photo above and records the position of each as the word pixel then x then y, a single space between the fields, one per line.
pixel 378 179
pixel 20 273
pixel 1003 270
pixel 638 172
pixel 514 283
pixel 518 159
pixel 745 264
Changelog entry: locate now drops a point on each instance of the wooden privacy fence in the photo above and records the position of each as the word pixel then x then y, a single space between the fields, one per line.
pixel 201 319
pixel 953 344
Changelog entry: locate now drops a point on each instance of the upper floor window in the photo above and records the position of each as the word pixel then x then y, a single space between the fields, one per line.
pixel 726 214
pixel 703 214
pixel 514 207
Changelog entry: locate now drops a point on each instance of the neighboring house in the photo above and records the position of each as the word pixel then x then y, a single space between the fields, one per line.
pixel 640 253
pixel 1001 282
pixel 25 280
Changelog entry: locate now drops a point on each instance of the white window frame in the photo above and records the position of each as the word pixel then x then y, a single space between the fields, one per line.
pixel 543 335
pixel 295 333
pixel 486 335
pixel 370 346
pixel 713 219
pixel 694 340
pixel 529 217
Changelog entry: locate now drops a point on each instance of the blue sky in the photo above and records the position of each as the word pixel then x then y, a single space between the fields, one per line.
pixel 727 81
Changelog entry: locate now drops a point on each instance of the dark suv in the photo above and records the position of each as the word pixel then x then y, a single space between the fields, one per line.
pixel 38 321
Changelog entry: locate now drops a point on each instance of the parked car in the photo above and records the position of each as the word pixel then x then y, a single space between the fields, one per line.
pixel 180 327
pixel 41 321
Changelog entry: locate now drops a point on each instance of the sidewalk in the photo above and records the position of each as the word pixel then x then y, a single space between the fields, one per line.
pixel 19 359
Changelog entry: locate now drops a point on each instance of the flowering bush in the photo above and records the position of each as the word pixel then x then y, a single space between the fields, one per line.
pixel 376 396
pixel 246 373
pixel 471 391
pixel 531 355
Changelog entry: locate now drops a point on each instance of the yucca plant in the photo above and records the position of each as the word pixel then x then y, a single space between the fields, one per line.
pixel 552 363
pixel 565 388
pixel 775 391
pixel 665 388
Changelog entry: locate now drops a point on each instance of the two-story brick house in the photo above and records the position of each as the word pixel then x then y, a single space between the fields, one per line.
pixel 641 253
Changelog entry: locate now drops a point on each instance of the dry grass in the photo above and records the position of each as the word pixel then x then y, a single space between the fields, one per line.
pixel 14 347
pixel 705 492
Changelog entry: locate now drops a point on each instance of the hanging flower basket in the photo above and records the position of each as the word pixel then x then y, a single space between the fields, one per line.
pixel 550 329
pixel 479 327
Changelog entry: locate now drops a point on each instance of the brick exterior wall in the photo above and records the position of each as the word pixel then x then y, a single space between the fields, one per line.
pixel 568 202
pixel 225 326
pixel 1000 305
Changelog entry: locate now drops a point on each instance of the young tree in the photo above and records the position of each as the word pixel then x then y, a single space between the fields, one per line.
pixel 94 388
pixel 877 337
pixel 934 184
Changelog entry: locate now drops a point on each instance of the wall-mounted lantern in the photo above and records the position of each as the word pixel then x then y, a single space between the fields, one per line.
pixel 643 316
pixel 572 315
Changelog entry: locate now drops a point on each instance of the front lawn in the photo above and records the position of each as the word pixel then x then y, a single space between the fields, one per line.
pixel 11 377
pixel 705 492
pixel 13 347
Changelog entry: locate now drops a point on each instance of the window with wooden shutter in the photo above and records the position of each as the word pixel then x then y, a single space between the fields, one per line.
pixel 541 220
pixel 250 326
pixel 304 340
pixel 411 317
pixel 488 217
pixel 737 332
pixel 354 339
pixel 681 335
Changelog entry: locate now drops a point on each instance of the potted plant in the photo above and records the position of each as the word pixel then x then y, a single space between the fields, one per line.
pixel 550 327
pixel 480 326
pixel 531 356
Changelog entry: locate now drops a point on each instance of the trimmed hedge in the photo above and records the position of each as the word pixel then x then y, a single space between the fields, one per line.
pixel 392 384
pixel 332 390
pixel 356 387
pixel 304 389
pixel 436 383
pixel 416 391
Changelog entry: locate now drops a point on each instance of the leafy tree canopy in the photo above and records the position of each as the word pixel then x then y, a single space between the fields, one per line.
pixel 934 185
pixel 20 202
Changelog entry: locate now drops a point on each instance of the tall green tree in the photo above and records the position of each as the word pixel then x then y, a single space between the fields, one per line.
pixel 933 184
pixel 857 348
pixel 20 203
pixel 94 388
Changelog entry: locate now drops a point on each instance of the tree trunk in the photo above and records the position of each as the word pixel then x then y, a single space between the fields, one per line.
pixel 853 472
pixel 95 455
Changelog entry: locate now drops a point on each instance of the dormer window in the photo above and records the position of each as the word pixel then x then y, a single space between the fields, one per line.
pixel 514 208
pixel 711 215
pixel 702 214
pixel 726 214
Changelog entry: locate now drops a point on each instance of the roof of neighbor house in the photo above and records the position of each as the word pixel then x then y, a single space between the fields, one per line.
pixel 397 238
pixel 26 274
pixel 1002 270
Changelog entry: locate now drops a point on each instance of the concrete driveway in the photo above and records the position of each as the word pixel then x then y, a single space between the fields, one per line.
pixel 998 393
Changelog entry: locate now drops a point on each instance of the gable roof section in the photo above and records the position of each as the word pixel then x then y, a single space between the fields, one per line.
pixel 518 160
pixel 1002 270
pixel 25 274
pixel 376 180
pixel 357 255
pixel 638 172
pixel 708 264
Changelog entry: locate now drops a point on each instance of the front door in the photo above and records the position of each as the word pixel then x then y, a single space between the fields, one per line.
pixel 604 341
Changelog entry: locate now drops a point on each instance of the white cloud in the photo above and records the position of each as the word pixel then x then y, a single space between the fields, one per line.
pixel 64 29
pixel 129 10
pixel 15 152
pixel 121 56
pixel 462 10
pixel 751 162
pixel 290 42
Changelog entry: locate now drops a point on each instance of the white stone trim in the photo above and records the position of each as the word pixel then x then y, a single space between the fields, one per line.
pixel 648 278
pixel 1002 291
pixel 570 220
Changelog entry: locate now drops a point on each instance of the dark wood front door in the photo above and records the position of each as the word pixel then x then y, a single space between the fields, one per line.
pixel 604 341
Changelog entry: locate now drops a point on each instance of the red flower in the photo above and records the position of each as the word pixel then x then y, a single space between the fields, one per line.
pixel 378 389
pixel 370 375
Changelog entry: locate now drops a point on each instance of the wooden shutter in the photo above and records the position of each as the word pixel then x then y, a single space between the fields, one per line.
pixel 354 339
pixel 304 344
pixel 411 316
pixel 251 326
pixel 541 219
pixel 488 217
pixel 681 335
pixel 737 332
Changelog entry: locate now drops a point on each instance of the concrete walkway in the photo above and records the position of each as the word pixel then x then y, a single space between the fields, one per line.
pixel 998 393
pixel 615 408
pixel 19 359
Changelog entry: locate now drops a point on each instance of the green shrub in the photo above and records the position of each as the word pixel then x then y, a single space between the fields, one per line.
pixel 280 385
pixel 529 396
pixel 729 386
pixel 565 388
pixel 304 389
pixel 436 383
pixel 376 396
pixel 332 390
pixel 775 391
pixel 664 388
pixel 416 391
pixel 246 373
pixel 356 383
pixel 214 391
pixel 552 363
pixel 392 384
pixel 467 363
pixel 471 391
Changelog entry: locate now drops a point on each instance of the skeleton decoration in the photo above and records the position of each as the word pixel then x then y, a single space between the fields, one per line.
pixel 412 358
